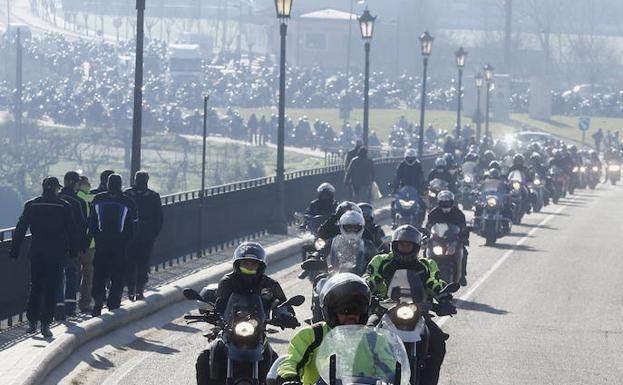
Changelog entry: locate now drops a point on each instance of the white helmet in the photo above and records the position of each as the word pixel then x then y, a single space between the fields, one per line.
pixel 351 225
pixel 410 153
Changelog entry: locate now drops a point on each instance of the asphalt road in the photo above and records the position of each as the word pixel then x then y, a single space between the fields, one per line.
pixel 543 307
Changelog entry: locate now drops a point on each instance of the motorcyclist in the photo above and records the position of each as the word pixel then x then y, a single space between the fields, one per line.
pixel 448 212
pixel 247 278
pixel 519 165
pixel 405 248
pixel 325 204
pixel 453 168
pixel 330 227
pixel 345 300
pixel 409 172
pixel 495 174
pixel 441 172
pixel 372 231
pixel 349 247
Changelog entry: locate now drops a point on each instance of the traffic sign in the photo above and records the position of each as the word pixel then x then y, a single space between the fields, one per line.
pixel 584 123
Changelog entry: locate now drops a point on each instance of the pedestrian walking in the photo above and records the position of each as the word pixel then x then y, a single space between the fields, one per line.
pixel 66 300
pixel 149 226
pixel 85 257
pixel 112 225
pixel 359 176
pixel 53 241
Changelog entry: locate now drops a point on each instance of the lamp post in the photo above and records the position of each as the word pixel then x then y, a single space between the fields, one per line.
pixel 280 226
pixel 489 79
pixel 479 82
pixel 460 63
pixel 426 45
pixel 135 163
pixel 366 24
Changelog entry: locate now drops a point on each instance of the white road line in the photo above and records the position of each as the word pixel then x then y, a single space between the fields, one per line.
pixel 467 296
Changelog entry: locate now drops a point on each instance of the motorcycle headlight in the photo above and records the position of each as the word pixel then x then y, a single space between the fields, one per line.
pixel 492 201
pixel 595 169
pixel 244 329
pixel 582 169
pixel 406 204
pixel 468 179
pixel 405 313
pixel 438 250
pixel 614 167
pixel 537 182
pixel 516 186
pixel 432 194
pixel 576 169
pixel 320 244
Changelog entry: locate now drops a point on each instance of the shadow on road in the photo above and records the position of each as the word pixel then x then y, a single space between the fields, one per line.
pixel 145 345
pixel 506 246
pixel 180 328
pixel 542 227
pixel 481 307
pixel 100 362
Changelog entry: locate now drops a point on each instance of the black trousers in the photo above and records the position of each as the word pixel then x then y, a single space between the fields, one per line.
pixel 213 371
pixel 437 353
pixel 137 265
pixel 108 265
pixel 45 281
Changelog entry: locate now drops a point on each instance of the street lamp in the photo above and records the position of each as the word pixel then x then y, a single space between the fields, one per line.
pixel 460 63
pixel 366 24
pixel 479 82
pixel 426 45
pixel 137 117
pixel 280 225
pixel 489 79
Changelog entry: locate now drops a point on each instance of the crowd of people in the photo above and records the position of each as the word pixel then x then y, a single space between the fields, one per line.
pixel 94 242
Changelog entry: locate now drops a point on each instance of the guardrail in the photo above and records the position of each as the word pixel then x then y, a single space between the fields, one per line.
pixel 231 213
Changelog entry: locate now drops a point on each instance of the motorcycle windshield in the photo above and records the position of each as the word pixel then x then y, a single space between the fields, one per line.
pixel 516 176
pixel 438 184
pixel 445 230
pixel 406 286
pixel 244 307
pixel 363 355
pixel 347 255
pixel 315 223
pixel 408 193
pixel 469 168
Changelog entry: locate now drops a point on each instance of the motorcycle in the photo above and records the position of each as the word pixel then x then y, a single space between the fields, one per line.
pixel 489 222
pixel 405 312
pixel 538 195
pixel 558 183
pixel 516 182
pixel 309 225
pixel 614 172
pixel 407 208
pixel 434 188
pixel 593 176
pixel 358 355
pixel 468 197
pixel 242 328
pixel 445 247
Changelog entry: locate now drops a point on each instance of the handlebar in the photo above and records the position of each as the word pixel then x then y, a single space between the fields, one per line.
pixel 194 317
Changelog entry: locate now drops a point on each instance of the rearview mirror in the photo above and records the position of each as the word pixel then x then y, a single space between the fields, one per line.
pixel 192 295
pixel 297 300
pixel 451 288
pixel 314 264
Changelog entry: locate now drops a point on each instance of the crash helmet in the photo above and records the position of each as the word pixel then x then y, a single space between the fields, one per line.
pixel 573 149
pixel 346 206
pixel 450 161
pixel 495 164
pixel 488 156
pixel 352 225
pixel 344 293
pixel 446 200
pixel 535 158
pixel 494 173
pixel 471 157
pixel 441 164
pixel 368 212
pixel 326 191
pixel 410 156
pixel 406 233
pixel 250 251
pixel 518 160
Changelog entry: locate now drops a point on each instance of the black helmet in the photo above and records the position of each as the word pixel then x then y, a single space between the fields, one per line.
pixel 326 191
pixel 495 164
pixel 406 233
pixel 450 161
pixel 494 173
pixel 441 164
pixel 445 199
pixel 344 293
pixel 367 211
pixel 346 206
pixel 518 160
pixel 535 157
pixel 253 251
pixel 471 157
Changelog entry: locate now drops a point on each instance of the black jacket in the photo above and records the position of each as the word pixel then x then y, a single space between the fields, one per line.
pixel 149 212
pixel 113 218
pixel 51 223
pixel 410 175
pixel 321 207
pixel 79 210
pixel 234 283
pixel 445 176
pixel 455 217
pixel 329 228
pixel 360 171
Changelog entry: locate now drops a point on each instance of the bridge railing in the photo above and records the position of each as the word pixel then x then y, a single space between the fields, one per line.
pixel 231 213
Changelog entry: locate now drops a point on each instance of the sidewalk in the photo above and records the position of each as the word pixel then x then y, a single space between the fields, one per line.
pixel 27 360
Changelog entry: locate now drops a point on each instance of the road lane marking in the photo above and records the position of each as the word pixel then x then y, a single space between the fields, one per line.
pixel 470 293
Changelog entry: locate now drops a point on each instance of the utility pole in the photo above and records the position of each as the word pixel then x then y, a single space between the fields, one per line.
pixel 137 118
pixel 508 10
pixel 18 87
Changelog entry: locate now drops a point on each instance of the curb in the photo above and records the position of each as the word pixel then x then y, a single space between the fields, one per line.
pixel 77 335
